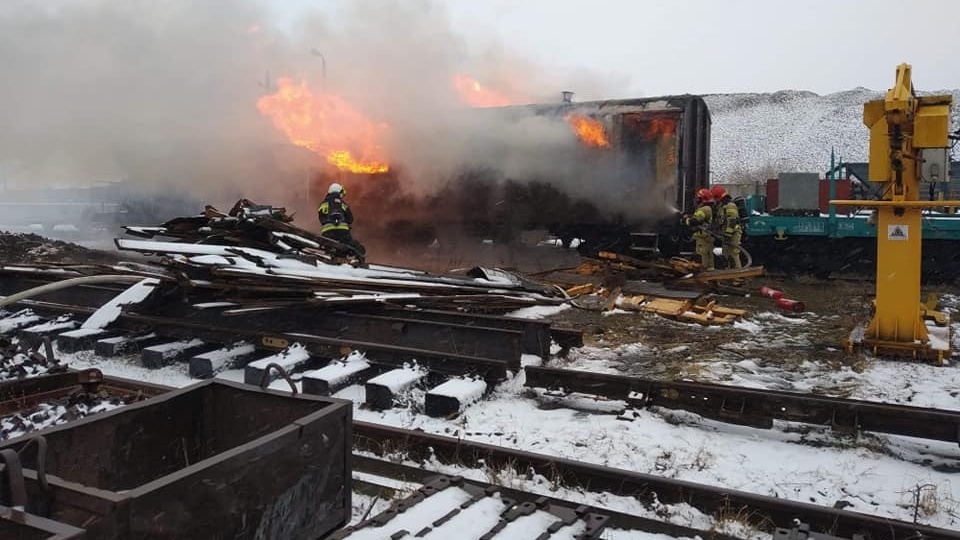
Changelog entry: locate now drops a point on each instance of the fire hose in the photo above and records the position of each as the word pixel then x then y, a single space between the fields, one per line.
pixel 57 285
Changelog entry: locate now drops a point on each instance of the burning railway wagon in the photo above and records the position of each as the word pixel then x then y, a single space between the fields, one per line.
pixel 615 174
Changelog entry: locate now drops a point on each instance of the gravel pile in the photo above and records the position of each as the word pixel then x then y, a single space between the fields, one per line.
pixel 17 248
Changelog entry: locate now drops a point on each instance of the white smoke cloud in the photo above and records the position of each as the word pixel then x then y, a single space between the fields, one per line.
pixel 163 94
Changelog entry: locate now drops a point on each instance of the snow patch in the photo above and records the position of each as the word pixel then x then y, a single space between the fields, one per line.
pixel 109 312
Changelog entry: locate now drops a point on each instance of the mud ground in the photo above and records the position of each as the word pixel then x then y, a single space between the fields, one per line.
pixel 801 352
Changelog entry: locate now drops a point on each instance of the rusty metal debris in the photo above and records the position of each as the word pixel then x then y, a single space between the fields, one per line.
pixel 252 225
pixel 23 358
pixel 256 259
pixel 33 403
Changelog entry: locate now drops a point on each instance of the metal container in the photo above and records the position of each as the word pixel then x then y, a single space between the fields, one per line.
pixel 799 191
pixel 213 460
pixel 19 525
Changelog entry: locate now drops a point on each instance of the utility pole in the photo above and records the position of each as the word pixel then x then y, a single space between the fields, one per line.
pixel 323 66
pixel 265 84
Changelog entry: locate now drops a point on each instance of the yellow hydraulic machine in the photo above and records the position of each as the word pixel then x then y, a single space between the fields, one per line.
pixel 909 143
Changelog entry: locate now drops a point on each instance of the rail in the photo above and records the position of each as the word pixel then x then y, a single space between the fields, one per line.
pixel 755 407
pixel 422 447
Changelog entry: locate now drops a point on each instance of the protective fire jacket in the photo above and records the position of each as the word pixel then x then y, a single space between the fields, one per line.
pixel 702 216
pixel 334 214
pixel 728 218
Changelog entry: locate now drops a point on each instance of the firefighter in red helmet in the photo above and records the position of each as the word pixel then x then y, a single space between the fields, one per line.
pixel 700 222
pixel 727 221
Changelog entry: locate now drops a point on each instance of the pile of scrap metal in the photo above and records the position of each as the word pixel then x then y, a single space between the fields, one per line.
pixel 22 359
pixel 253 259
pixel 252 225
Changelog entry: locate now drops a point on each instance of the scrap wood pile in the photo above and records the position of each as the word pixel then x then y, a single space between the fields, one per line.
pixel 678 271
pixel 254 259
pixel 606 280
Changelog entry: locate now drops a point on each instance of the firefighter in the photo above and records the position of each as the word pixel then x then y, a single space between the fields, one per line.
pixel 700 222
pixel 728 225
pixel 336 218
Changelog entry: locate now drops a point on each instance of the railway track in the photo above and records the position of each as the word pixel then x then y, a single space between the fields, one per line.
pixel 513 505
pixel 378 447
pixel 492 361
pixel 422 448
pixel 412 456
pixel 754 407
pixel 442 344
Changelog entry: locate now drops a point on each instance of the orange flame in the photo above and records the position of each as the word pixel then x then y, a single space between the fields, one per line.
pixel 589 131
pixel 327 125
pixel 661 125
pixel 473 94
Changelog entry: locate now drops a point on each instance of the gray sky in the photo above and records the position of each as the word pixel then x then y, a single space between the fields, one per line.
pixel 712 46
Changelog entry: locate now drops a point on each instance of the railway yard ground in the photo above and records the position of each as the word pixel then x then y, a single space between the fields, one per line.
pixel 902 481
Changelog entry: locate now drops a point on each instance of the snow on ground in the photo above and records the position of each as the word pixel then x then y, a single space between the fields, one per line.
pixel 809 466
pixel 769 462
pixel 538 312
pixel 17 320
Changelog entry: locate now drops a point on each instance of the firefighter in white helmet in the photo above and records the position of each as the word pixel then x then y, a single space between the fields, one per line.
pixel 336 218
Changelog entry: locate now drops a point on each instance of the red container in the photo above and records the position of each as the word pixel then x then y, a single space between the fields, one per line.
pixel 843 191
pixel 771 293
pixel 796 306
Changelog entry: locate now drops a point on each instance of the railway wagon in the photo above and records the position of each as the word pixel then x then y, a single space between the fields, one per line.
pixel 791 228
pixel 620 178
pixel 613 175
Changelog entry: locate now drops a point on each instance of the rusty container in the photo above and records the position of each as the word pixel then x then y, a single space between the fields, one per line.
pixel 214 460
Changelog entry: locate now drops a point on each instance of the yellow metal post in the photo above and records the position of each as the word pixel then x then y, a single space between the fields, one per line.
pixel 902 126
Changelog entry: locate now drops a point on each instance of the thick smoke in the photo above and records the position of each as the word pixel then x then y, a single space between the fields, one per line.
pixel 163 95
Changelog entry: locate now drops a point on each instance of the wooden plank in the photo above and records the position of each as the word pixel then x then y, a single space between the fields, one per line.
pixel 668 306
pixel 633 303
pixel 577 290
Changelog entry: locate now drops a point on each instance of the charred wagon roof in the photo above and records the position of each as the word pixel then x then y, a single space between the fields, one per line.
pixel 611 106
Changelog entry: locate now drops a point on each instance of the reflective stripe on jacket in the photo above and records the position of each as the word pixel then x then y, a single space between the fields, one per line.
pixel 334 214
pixel 729 217
pixel 702 217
